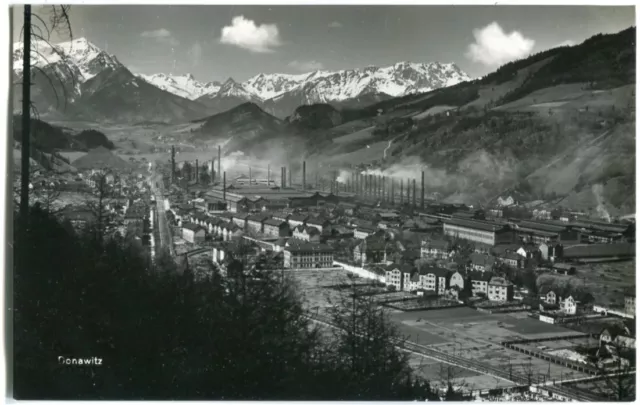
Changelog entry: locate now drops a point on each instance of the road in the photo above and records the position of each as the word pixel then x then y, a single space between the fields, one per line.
pixel 163 225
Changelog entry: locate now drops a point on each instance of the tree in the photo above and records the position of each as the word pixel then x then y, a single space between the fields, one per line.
pixel 59 20
pixel 366 360
pixel 102 196
pixel 616 369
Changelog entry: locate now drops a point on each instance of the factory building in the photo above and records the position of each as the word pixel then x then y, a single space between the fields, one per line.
pixel 483 232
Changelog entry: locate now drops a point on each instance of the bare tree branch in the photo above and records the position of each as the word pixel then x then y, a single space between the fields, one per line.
pixel 55 92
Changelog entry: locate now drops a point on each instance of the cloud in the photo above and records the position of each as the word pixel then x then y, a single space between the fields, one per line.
pixel 195 53
pixel 494 47
pixel 306 66
pixel 335 24
pixel 161 35
pixel 245 34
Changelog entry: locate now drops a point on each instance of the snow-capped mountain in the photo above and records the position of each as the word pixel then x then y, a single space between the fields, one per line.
pixel 231 94
pixel 280 94
pixel 397 80
pixel 78 54
pixel 182 85
pixel 77 63
pixel 78 79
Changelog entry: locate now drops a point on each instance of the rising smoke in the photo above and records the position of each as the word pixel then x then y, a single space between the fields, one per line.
pixel 597 190
pixel 477 173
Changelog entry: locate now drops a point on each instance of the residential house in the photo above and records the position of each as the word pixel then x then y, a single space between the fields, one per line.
pixel 570 305
pixel 437 249
pixel 512 259
pixel 457 281
pixel 321 224
pixel 396 275
pixel 480 282
pixel 307 234
pixel 434 279
pixel 500 289
pixel 297 220
pixel 611 332
pixel 275 228
pixel 370 251
pixel 193 233
pixel 363 231
pixel 482 262
pixel 549 296
pixel 308 255
pixel 630 301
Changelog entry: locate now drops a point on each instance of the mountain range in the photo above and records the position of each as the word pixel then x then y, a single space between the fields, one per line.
pixel 558 126
pixel 79 80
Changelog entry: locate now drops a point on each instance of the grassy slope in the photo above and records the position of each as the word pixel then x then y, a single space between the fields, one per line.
pixel 532 127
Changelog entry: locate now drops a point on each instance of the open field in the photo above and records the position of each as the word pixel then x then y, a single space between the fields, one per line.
pixel 462 332
pixel 474 335
pixel 573 96
pixel 605 281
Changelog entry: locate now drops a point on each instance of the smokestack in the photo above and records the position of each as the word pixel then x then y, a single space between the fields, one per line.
pixel 393 191
pixel 375 186
pixel 401 192
pixel 422 192
pixel 408 191
pixel 304 175
pixel 414 193
pixel 268 175
pixel 219 160
pixel 173 162
pixel 224 186
pixel 249 175
pixel 383 189
pixel 213 171
pixel 197 174
pixel 290 176
pixel 284 177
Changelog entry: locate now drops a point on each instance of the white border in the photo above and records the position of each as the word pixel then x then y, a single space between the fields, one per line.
pixel 5 77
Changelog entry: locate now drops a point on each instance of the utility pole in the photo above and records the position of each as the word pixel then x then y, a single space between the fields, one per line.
pixel 26 120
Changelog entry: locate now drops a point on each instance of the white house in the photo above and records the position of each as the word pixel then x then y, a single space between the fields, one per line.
pixel 569 306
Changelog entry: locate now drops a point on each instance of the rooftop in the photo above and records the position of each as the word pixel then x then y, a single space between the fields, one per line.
pixel 476 224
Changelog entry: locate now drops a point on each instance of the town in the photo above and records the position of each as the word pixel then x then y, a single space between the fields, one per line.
pixel 550 289
pixel 440 209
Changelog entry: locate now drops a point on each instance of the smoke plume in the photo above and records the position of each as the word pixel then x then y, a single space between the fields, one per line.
pixel 597 190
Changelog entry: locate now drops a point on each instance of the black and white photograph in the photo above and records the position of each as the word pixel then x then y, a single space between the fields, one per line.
pixel 321 202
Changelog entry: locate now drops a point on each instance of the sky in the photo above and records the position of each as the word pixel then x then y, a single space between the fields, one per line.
pixel 215 42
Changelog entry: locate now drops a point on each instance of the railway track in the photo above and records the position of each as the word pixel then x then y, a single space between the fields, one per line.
pixel 479 367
